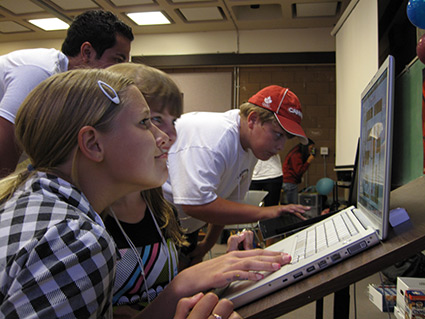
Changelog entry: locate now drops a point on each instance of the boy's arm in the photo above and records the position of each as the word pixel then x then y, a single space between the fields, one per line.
pixel 9 150
pixel 225 212
pixel 22 80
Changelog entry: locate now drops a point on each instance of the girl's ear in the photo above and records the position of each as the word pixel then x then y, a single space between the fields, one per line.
pixel 252 119
pixel 90 143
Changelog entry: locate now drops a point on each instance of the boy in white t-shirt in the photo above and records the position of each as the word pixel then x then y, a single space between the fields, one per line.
pixel 211 163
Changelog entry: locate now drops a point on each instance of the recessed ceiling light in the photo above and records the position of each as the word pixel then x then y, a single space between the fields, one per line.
pixel 50 24
pixel 148 18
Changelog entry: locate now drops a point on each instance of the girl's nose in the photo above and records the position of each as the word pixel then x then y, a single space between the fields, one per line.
pixel 162 139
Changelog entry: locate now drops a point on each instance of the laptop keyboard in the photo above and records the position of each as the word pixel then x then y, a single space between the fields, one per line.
pixel 326 234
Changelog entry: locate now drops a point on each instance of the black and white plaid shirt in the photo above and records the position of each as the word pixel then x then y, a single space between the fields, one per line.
pixel 56 258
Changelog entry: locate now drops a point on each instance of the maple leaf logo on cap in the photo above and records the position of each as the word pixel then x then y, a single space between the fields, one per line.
pixel 267 101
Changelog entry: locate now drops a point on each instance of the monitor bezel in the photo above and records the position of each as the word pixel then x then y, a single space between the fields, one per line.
pixel 381 225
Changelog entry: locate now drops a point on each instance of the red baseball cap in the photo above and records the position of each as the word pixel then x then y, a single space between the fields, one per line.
pixel 285 106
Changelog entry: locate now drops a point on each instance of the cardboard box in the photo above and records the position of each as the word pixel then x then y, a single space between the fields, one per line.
pixel 383 296
pixel 407 283
pixel 415 304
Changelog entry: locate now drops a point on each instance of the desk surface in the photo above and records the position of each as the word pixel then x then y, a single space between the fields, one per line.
pixel 403 241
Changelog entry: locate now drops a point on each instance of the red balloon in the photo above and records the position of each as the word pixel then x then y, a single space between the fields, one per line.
pixel 420 49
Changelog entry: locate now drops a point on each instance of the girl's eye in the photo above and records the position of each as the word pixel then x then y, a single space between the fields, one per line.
pixel 146 122
pixel 156 120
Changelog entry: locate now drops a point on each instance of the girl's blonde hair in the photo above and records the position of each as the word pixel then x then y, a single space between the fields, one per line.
pixel 158 88
pixel 51 116
pixel 163 211
pixel 161 93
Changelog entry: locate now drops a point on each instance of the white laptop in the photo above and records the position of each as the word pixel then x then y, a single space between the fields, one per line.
pixel 362 226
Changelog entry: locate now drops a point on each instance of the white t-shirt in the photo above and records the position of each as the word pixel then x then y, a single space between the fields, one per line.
pixel 23 70
pixel 207 161
pixel 271 168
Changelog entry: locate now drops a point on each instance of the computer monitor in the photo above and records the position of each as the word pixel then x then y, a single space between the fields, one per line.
pixel 374 166
pixel 368 189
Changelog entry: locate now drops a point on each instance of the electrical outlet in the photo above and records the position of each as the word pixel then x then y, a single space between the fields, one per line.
pixel 324 151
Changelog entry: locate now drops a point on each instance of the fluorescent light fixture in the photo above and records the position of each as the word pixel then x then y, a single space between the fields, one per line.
pixel 50 24
pixel 148 18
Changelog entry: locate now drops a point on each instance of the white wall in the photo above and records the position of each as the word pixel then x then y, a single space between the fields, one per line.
pixel 6 47
pixel 290 40
pixel 256 41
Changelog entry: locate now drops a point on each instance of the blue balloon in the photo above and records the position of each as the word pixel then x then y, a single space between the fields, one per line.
pixel 324 185
pixel 416 13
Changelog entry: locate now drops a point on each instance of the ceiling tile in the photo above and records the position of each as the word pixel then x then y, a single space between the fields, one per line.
pixel 190 1
pixel 75 4
pixel 21 6
pixel 258 12
pixel 123 3
pixel 201 14
pixel 322 9
pixel 10 26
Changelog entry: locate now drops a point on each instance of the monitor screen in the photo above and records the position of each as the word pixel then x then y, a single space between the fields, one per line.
pixel 374 180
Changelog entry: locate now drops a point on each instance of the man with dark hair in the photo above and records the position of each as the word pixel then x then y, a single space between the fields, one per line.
pixel 95 39
pixel 97 27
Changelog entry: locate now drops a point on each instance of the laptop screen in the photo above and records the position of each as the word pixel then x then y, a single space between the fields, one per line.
pixel 374 179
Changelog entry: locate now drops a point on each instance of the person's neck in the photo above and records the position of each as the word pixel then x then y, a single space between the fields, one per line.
pixel 130 209
pixel 244 134
pixel 75 62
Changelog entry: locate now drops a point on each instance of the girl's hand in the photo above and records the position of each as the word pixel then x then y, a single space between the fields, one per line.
pixel 233 266
pixel 206 306
pixel 241 241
